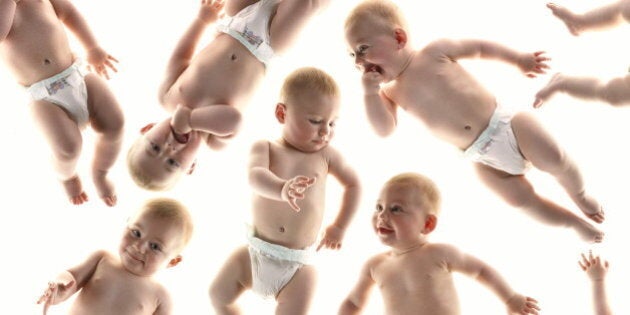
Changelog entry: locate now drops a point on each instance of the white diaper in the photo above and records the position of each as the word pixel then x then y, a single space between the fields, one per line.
pixel 273 266
pixel 496 146
pixel 67 90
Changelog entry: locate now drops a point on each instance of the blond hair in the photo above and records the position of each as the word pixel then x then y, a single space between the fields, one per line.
pixel 382 13
pixel 427 191
pixel 307 79
pixel 172 210
pixel 139 175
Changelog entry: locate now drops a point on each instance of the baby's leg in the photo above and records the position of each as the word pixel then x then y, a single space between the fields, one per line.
pixel 234 277
pixel 107 121
pixel 295 298
pixel 543 151
pixel 289 20
pixel 64 138
pixel 602 17
pixel 518 192
pixel 615 92
pixel 234 6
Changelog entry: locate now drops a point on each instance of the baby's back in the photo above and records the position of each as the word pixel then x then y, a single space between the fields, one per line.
pixel 113 290
pixel 275 221
pixel 37 45
pixel 417 282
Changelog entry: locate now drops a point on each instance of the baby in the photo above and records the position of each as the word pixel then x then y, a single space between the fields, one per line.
pixel 288 177
pixel 616 91
pixel 123 284
pixel 206 91
pixel 433 87
pixel 36 49
pixel 415 276
pixel 596 269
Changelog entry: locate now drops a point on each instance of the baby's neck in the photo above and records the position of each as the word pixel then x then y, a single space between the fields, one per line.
pixel 402 250
pixel 407 61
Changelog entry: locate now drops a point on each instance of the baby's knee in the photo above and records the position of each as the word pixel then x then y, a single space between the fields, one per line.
pixel 69 149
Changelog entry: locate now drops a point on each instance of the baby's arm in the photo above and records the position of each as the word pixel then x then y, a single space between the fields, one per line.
pixel 596 270
pixel 98 59
pixel 165 306
pixel 531 64
pixel 70 281
pixel 482 272
pixel 220 120
pixel 7 12
pixel 180 59
pixel 345 174
pixel 358 297
pixel 381 111
pixel 269 185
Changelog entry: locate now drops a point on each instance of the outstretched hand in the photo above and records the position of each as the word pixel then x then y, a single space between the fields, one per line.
pixel 211 10
pixel 99 60
pixel 294 189
pixel 520 304
pixel 55 293
pixel 533 64
pixel 595 267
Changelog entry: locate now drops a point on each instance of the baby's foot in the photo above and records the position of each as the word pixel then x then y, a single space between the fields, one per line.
pixel 591 208
pixel 569 19
pixel 105 188
pixel 546 92
pixel 74 190
pixel 588 232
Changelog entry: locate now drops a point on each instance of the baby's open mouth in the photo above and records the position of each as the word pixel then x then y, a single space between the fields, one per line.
pixel 181 138
pixel 373 68
pixel 382 230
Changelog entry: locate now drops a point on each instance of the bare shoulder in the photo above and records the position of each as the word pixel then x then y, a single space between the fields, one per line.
pixel 442 250
pixel 438 48
pixel 260 145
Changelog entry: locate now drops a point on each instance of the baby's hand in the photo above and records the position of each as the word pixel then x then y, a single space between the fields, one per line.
pixel 594 267
pixel 210 10
pixel 520 304
pixel 371 82
pixel 99 60
pixel 181 120
pixel 332 238
pixel 55 293
pixel 294 188
pixel 533 64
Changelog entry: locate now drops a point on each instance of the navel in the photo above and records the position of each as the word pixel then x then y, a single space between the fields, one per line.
pixel 46 61
pixel 467 127
pixel 281 229
pixel 233 57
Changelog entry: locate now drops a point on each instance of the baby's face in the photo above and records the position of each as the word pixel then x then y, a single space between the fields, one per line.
pixel 399 217
pixel 149 244
pixel 373 49
pixel 164 155
pixel 309 123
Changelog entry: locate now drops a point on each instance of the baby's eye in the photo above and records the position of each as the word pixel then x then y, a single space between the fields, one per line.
pixel 155 247
pixel 135 233
pixel 396 209
pixel 362 49
pixel 172 163
pixel 379 208
pixel 315 121
pixel 154 147
pixel 332 123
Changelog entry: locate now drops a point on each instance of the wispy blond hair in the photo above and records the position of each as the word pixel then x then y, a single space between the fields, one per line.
pixel 307 79
pixel 383 13
pixel 427 191
pixel 138 173
pixel 172 210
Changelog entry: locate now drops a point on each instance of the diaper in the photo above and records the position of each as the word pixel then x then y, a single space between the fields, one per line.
pixel 67 90
pixel 496 146
pixel 273 266
pixel 250 27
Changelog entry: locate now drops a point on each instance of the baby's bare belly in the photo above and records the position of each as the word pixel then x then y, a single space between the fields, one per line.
pixel 222 73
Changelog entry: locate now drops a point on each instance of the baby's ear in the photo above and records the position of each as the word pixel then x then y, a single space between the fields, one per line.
pixel 174 261
pixel 146 128
pixel 281 111
pixel 430 222
pixel 401 37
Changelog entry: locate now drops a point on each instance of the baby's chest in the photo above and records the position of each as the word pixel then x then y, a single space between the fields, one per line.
pixel 121 295
pixel 289 164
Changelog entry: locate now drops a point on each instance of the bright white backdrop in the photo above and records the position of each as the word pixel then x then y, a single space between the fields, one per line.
pixel 43 234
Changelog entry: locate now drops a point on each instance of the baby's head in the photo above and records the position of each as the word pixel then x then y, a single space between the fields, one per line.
pixel 155 236
pixel 407 208
pixel 377 34
pixel 308 109
pixel 159 157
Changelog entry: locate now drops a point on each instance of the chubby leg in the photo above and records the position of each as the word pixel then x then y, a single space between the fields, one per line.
pixel 602 17
pixel 107 121
pixel 64 138
pixel 518 192
pixel 615 92
pixel 289 20
pixel 543 151
pixel 234 277
pixel 295 298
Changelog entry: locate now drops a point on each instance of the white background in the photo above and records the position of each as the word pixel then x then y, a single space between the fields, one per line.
pixel 42 234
